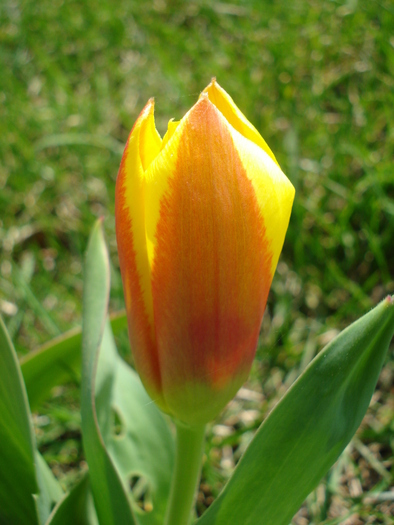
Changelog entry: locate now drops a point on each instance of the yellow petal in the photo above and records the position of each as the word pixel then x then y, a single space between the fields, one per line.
pixel 157 179
pixel 274 191
pixel 149 139
pixel 235 117
pixel 172 125
pixel 142 146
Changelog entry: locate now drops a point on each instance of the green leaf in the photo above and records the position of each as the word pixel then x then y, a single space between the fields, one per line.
pixel 308 429
pixel 50 491
pixel 111 501
pixel 57 361
pixel 76 507
pixel 28 489
pixel 135 433
pixel 129 430
pixel 18 480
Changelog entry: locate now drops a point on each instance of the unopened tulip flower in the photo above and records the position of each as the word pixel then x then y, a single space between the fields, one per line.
pixel 201 216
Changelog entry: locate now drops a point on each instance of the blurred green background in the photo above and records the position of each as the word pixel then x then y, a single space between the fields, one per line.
pixel 315 77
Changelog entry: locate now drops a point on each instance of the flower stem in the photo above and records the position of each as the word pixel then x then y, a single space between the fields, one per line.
pixel 189 450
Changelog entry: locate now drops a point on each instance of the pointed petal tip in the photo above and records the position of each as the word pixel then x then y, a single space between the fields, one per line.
pixel 212 85
pixel 149 108
pixel 151 104
pixel 203 101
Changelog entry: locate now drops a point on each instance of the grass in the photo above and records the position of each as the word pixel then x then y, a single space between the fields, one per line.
pixel 316 78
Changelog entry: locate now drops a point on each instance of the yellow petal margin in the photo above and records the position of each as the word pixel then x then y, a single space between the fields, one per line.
pixel 142 146
pixel 235 117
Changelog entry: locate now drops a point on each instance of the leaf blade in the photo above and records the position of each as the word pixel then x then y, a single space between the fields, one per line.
pixel 75 507
pixel 111 502
pixel 309 428
pixel 145 445
pixel 28 489
pixel 18 480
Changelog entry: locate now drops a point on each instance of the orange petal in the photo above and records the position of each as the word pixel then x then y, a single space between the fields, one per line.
pixel 211 270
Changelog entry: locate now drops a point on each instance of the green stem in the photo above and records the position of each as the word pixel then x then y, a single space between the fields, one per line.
pixel 189 450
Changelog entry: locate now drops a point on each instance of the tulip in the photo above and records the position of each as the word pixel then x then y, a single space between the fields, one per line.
pixel 201 217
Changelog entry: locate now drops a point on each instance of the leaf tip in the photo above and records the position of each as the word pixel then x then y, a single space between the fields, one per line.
pixel 390 300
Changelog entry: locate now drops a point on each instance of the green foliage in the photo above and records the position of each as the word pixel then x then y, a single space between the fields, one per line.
pixel 122 429
pixel 17 450
pixel 75 507
pixel 57 362
pixel 28 489
pixel 110 496
pixel 128 446
pixel 312 424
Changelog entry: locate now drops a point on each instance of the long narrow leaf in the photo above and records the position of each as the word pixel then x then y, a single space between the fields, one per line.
pixel 140 443
pixel 50 491
pixel 111 501
pixel 76 507
pixel 309 428
pixel 18 480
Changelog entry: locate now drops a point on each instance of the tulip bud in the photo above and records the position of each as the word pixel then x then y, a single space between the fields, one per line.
pixel 201 216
